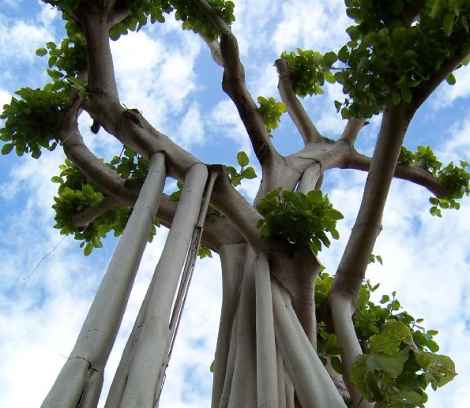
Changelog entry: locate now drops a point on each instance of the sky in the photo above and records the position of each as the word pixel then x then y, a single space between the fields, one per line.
pixel 47 285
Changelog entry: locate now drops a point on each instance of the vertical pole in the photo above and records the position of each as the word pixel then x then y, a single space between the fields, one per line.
pixel 186 281
pixel 313 385
pixel 102 323
pixel 140 391
pixel 265 340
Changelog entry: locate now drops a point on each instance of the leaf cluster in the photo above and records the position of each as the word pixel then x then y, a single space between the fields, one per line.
pixel 68 58
pixel 32 121
pixel 189 13
pixel 309 70
pixel 271 112
pixel 245 172
pixel 301 220
pixel 131 166
pixel 76 194
pixel 400 358
pixel 395 47
pixel 455 179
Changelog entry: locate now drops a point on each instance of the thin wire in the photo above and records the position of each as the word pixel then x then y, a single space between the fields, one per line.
pixel 44 257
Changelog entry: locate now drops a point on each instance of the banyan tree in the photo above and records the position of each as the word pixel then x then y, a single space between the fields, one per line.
pixel 289 333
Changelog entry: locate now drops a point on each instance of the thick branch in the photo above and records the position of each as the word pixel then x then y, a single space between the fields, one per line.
pixel 355 258
pixel 414 174
pixel 95 26
pixel 94 169
pixel 295 109
pixel 235 86
pixel 352 129
pixel 236 208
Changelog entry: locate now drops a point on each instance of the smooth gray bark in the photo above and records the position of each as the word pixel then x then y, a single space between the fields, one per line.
pixel 152 344
pixel 244 384
pixel 266 364
pixel 99 330
pixel 232 260
pixel 313 385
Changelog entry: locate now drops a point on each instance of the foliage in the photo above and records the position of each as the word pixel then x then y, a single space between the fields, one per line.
pixel 32 121
pixel 395 47
pixel 271 112
pixel 131 166
pixel 76 194
pixel 375 258
pixel 143 11
pixel 400 358
pixel 246 172
pixel 69 58
pixel 204 252
pixel 454 179
pixel 309 70
pixel 188 12
pixel 301 220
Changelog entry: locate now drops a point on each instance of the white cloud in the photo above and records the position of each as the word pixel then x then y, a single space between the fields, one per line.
pixel 5 98
pixel 161 78
pixel 47 14
pixel 225 116
pixel 191 129
pixel 447 94
pixel 20 40
pixel 307 24
pixel 458 145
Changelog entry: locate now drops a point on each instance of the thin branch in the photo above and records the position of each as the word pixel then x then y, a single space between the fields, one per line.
pixel 86 217
pixel 295 109
pixel 352 130
pixel 414 174
pixel 214 47
pixel 427 88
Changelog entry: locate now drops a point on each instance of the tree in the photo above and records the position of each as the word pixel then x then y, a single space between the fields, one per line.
pixel 276 345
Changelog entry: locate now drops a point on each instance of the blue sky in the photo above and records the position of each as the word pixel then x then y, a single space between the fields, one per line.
pixel 169 76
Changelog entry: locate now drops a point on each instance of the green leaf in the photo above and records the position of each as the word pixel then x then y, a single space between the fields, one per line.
pixel 451 79
pixel 7 148
pixel 329 59
pixel 329 77
pixel 439 369
pixel 242 159
pixel 249 173
pixel 88 249
pixel 392 365
pixel 388 341
pixel 448 23
pixel 338 105
pixel 40 52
